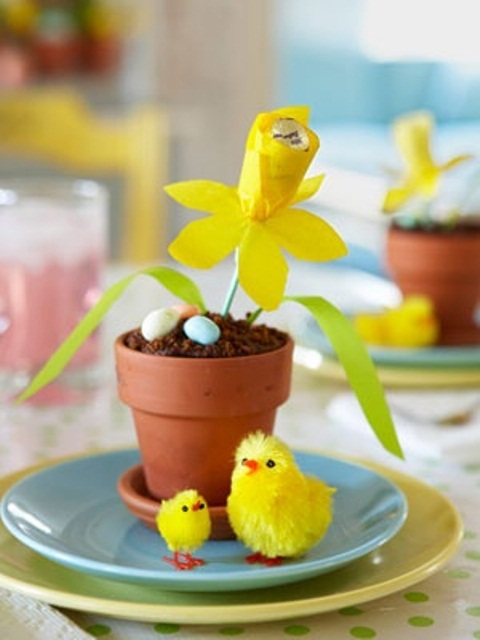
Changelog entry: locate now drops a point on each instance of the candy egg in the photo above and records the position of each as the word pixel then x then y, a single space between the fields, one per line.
pixel 159 322
pixel 202 330
pixel 290 133
pixel 186 310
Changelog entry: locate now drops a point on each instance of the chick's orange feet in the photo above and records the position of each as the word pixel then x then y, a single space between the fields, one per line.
pixel 184 561
pixel 259 558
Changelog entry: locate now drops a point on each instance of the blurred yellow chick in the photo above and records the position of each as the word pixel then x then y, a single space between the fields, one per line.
pixel 184 523
pixel 273 508
pixel 412 324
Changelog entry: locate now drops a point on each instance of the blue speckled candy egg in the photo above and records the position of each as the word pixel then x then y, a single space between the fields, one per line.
pixel 159 322
pixel 202 330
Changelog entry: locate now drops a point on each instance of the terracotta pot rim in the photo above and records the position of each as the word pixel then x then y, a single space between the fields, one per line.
pixel 469 231
pixel 121 346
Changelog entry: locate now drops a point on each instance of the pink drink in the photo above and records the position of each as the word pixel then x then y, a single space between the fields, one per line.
pixel 52 248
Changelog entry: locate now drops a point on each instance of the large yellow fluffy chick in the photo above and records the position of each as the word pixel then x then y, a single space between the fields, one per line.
pixel 273 508
pixel 411 324
pixel 184 523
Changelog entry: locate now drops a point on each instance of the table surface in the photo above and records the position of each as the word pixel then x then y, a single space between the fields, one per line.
pixel 445 605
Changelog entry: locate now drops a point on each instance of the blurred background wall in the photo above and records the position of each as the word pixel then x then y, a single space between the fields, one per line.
pixel 370 60
pixel 208 67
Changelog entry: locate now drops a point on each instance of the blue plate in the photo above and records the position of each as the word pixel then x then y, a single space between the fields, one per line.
pixel 308 334
pixel 71 513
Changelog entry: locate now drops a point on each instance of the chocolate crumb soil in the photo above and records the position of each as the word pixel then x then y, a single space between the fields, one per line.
pixel 238 338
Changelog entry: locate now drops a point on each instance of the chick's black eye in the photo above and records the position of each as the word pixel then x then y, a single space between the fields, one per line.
pixel 202 506
pixel 184 508
pixel 270 463
pixel 243 460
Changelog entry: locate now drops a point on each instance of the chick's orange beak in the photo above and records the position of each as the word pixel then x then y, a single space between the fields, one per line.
pixel 196 506
pixel 251 464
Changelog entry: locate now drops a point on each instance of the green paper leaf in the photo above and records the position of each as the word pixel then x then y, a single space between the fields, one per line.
pixel 358 365
pixel 177 283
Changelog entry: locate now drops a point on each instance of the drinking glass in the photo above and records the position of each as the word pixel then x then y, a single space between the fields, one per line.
pixel 53 246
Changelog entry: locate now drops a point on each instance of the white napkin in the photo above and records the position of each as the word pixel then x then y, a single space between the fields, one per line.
pixel 22 618
pixel 420 418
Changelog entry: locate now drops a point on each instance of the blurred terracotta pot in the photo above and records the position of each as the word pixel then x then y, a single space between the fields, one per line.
pixel 102 55
pixel 445 266
pixel 56 57
pixel 191 413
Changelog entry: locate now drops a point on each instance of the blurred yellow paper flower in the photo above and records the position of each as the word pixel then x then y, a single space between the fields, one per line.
pixel 422 175
pixel 19 16
pixel 256 217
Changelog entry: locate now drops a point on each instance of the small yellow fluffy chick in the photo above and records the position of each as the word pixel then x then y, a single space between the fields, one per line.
pixel 273 508
pixel 412 324
pixel 184 523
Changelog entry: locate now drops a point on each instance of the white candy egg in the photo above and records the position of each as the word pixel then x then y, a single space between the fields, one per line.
pixel 202 330
pixel 159 322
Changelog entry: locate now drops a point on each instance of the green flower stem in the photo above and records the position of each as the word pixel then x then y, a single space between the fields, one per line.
pixel 472 186
pixel 253 316
pixel 230 294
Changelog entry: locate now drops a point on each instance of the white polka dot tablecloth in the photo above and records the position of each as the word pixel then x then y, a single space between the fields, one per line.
pixel 446 605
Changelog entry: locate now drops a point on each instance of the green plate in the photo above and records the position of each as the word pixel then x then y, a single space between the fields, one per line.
pixel 416 552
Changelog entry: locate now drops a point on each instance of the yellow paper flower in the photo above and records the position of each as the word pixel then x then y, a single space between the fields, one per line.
pixel 257 217
pixel 422 175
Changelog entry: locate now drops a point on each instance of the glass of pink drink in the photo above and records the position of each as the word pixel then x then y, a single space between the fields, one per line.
pixel 52 255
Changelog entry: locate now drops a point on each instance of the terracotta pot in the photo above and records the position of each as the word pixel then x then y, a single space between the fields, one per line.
pixel 445 266
pixel 191 413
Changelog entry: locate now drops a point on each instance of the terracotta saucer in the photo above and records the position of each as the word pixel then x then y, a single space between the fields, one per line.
pixel 134 493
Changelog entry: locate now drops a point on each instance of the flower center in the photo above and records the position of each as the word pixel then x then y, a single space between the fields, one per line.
pixel 258 210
